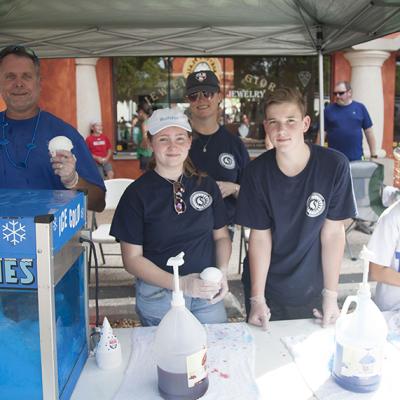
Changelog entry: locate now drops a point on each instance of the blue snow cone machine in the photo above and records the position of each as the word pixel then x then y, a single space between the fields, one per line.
pixel 43 296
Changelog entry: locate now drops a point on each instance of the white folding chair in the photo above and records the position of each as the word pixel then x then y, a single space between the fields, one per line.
pixel 101 233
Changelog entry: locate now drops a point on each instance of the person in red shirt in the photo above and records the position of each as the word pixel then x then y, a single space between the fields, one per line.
pixel 100 147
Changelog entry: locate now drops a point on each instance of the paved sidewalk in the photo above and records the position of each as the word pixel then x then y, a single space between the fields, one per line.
pixel 117 294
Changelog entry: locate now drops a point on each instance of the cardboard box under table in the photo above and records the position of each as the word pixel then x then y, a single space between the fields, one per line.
pixel 43 296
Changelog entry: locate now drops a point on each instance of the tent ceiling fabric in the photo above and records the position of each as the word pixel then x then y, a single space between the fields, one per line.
pixel 91 28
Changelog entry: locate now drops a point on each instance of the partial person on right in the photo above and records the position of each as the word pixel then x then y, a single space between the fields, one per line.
pixel 384 266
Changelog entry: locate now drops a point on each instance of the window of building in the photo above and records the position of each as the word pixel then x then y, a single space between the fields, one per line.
pixel 245 81
pixel 139 81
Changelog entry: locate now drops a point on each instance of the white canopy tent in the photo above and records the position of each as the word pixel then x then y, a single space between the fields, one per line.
pixel 90 28
pixel 94 28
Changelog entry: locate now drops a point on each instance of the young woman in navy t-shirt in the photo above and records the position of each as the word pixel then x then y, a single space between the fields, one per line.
pixel 167 210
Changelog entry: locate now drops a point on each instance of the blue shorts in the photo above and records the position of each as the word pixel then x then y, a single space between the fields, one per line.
pixel 153 302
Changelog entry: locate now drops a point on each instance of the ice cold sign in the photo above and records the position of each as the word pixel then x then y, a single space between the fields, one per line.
pixel 69 218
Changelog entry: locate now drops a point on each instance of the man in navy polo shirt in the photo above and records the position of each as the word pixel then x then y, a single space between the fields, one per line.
pixel 295 199
pixel 214 150
pixel 345 121
pixel 25 132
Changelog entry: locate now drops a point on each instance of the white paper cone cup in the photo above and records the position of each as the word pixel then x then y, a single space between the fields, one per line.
pixel 60 143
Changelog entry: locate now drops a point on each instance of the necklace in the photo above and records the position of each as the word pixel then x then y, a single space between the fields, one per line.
pixel 178 189
pixel 29 146
pixel 207 141
pixel 206 144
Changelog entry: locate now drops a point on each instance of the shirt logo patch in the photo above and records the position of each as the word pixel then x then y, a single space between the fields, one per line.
pixel 200 200
pixel 315 205
pixel 227 160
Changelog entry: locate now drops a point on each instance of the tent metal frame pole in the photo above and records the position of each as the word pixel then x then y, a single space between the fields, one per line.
pixel 386 19
pixel 159 39
pixel 247 40
pixel 321 97
pixel 350 22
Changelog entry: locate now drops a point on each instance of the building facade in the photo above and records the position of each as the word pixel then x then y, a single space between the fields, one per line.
pixel 84 90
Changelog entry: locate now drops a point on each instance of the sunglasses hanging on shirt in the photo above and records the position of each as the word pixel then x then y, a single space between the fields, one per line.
pixel 179 204
pixel 178 190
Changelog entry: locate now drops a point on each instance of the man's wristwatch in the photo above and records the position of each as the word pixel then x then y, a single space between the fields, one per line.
pixel 374 156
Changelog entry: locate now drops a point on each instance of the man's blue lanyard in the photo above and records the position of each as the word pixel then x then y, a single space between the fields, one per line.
pixel 30 146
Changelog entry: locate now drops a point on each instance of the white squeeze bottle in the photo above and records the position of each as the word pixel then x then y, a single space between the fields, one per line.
pixel 360 339
pixel 180 347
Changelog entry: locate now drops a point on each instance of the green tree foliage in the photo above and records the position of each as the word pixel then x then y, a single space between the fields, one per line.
pixel 136 76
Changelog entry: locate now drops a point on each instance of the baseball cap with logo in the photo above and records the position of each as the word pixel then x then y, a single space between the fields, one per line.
pixel 202 80
pixel 167 117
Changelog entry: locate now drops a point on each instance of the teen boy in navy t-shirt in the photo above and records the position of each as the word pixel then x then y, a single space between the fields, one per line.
pixel 294 198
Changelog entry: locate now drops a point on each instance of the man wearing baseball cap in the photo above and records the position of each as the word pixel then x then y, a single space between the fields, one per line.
pixel 170 209
pixel 214 150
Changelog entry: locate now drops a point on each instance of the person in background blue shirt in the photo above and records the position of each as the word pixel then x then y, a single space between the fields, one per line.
pixel 345 122
pixel 25 132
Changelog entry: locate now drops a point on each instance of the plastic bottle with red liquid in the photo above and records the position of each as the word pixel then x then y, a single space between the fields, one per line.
pixel 181 348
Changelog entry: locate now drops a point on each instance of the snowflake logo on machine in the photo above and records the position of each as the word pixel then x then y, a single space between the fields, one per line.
pixel 14 232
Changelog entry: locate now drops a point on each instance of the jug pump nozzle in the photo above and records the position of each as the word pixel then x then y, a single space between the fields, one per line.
pixel 177 294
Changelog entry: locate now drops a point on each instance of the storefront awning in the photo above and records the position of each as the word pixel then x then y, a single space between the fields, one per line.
pixel 94 28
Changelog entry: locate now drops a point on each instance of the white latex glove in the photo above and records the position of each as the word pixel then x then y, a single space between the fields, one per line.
pixel 259 312
pixel 224 287
pixel 193 286
pixel 330 309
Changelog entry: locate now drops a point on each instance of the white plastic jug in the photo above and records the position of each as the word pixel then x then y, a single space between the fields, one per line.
pixel 181 349
pixel 360 338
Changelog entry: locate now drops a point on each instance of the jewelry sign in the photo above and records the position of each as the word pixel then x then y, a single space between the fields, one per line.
pixel 254 88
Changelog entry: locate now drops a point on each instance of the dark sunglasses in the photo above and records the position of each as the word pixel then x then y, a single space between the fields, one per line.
pixel 19 51
pixel 340 93
pixel 196 96
pixel 179 204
